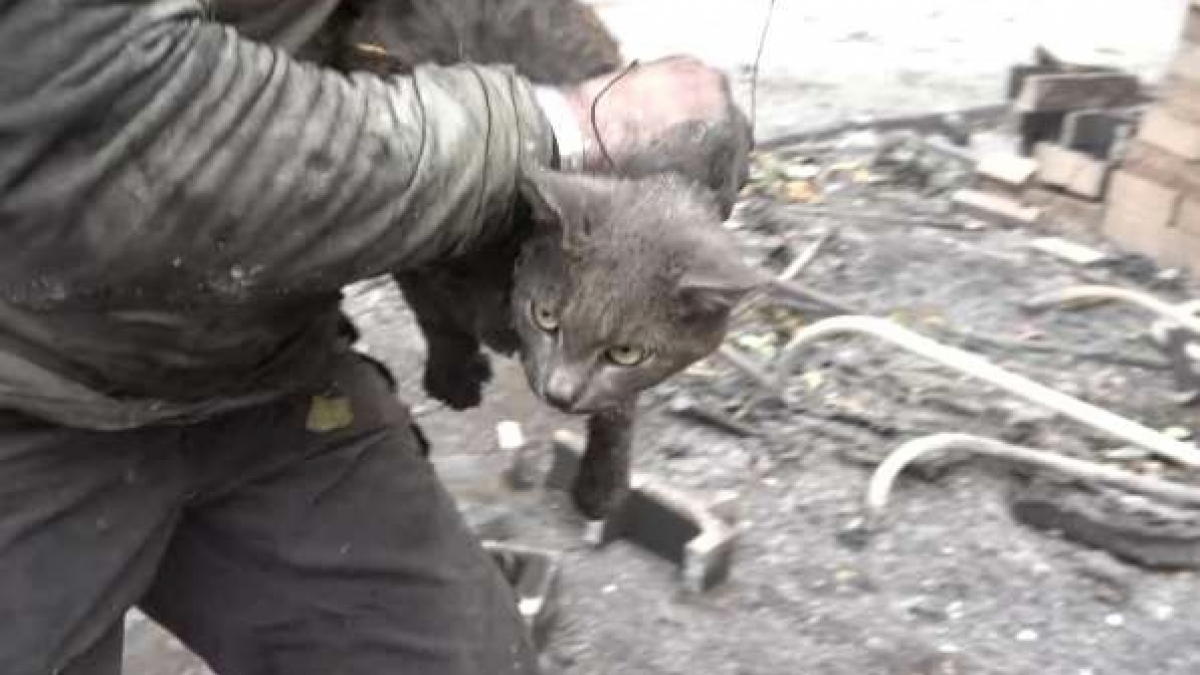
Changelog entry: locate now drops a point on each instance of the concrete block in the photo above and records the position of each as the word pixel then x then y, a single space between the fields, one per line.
pixel 995 209
pixel 695 535
pixel 1097 132
pixel 1019 73
pixel 1167 132
pixel 1075 172
pixel 1073 91
pixel 1036 127
pixel 1006 169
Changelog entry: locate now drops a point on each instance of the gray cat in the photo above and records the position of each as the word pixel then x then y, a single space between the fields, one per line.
pixel 610 286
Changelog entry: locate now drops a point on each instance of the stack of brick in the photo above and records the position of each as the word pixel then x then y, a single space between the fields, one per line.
pixel 1073 121
pixel 1154 200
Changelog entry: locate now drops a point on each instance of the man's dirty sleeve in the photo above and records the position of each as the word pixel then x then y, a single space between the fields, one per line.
pixel 150 156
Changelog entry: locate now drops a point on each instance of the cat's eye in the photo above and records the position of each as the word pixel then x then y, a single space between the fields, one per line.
pixel 543 317
pixel 626 355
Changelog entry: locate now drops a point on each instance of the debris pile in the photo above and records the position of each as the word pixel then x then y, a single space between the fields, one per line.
pixel 1073 123
pixel 1154 202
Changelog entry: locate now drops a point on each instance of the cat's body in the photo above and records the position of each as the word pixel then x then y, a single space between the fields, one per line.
pixel 610 286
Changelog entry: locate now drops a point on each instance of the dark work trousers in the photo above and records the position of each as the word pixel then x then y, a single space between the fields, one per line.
pixel 305 537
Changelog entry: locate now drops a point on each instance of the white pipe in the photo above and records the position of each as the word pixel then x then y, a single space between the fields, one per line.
pixel 980 368
pixel 885 475
pixel 1174 313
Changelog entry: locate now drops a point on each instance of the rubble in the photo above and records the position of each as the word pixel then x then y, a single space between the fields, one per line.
pixel 699 537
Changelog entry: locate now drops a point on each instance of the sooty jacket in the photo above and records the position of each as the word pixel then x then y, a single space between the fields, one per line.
pixel 181 198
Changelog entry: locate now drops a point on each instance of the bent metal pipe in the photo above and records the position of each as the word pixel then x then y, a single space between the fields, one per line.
pixel 982 369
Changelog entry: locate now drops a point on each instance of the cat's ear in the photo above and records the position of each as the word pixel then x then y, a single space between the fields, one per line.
pixel 717 282
pixel 557 204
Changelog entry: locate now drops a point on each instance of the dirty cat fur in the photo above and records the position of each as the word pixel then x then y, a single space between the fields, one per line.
pixel 617 283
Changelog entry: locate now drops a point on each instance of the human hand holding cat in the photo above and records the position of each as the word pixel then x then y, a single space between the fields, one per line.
pixel 674 115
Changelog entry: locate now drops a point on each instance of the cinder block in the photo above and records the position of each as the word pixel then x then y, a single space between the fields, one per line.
pixel 658 518
pixel 1096 132
pixel 1073 91
pixel 995 209
pixel 1036 127
pixel 1006 169
pixel 1075 172
pixel 1167 132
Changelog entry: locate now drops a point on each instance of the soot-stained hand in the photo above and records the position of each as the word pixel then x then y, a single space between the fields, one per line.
pixel 674 114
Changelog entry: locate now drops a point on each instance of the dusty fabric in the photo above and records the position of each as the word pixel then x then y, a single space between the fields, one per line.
pixel 180 204
pixel 306 537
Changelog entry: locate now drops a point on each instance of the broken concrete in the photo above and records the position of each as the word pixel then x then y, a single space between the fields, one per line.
pixel 995 209
pixel 667 522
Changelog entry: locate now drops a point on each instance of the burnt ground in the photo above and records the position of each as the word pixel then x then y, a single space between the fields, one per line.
pixel 953 585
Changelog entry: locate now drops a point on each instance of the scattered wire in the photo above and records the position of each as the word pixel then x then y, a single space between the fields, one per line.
pixel 596 103
pixel 762 43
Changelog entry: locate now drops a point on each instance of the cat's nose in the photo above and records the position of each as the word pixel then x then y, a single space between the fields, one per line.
pixel 563 389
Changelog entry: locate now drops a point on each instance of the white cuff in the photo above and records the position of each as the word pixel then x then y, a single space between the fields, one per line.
pixel 567 133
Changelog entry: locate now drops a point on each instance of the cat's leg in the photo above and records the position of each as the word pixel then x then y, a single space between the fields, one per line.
pixel 456 369
pixel 603 479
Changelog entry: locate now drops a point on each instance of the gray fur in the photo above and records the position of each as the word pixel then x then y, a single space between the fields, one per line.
pixel 642 263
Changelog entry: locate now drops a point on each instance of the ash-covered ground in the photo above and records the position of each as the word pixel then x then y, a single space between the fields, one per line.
pixel 953 584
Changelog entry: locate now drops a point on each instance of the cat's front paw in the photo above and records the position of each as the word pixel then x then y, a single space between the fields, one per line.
pixel 458 384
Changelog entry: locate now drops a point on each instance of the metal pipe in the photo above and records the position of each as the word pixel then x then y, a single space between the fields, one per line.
pixel 980 368
pixel 885 475
pixel 1175 313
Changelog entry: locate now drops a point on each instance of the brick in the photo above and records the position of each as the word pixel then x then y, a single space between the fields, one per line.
pixel 1072 91
pixel 995 209
pixel 1076 172
pixel 1181 98
pixel 1186 64
pixel 1167 132
pixel 1188 218
pixel 1191 24
pixel 1141 216
pixel 1007 169
pixel 1096 132
pixel 1163 167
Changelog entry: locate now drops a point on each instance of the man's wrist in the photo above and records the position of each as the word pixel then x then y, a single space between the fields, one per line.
pixel 564 124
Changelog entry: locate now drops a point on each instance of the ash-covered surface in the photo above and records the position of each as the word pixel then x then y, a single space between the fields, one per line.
pixel 953 585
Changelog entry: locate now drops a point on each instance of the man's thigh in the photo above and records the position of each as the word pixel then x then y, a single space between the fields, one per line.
pixel 84 519
pixel 323 543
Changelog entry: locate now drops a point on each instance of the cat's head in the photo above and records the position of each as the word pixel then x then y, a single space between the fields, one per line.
pixel 625 283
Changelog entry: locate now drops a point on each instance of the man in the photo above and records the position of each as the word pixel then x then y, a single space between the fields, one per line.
pixel 182 425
